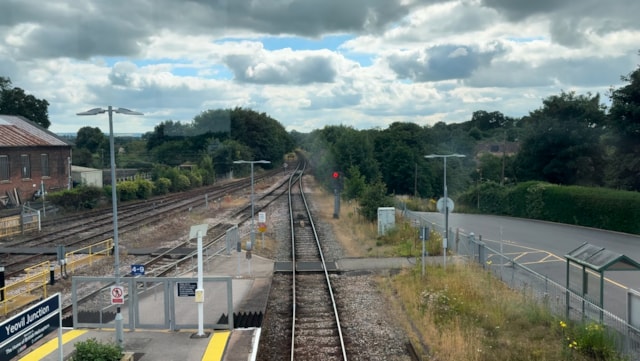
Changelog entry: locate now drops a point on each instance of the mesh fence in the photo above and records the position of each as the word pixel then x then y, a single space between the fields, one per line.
pixel 562 302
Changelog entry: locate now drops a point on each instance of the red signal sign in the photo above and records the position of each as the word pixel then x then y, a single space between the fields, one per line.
pixel 336 175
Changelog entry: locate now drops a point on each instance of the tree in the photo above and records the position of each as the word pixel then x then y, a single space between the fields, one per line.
pixel 14 101
pixel 266 137
pixel 486 121
pixel 91 139
pixel 374 196
pixel 216 122
pixel 228 152
pixel 624 120
pixel 563 145
pixel 355 184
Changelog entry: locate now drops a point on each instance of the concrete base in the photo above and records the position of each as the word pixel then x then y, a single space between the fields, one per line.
pixel 206 335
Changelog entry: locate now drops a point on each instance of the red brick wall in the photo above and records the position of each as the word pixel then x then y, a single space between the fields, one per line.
pixel 58 170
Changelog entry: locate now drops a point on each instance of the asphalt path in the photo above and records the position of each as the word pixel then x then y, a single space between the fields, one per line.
pixel 542 246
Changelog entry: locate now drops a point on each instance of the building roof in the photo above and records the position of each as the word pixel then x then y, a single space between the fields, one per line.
pixel 77 168
pixel 17 131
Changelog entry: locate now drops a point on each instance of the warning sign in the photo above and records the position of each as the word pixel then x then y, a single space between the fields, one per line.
pixel 117 295
pixel 262 227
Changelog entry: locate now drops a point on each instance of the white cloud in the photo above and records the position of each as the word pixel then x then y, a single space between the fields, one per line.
pixel 421 61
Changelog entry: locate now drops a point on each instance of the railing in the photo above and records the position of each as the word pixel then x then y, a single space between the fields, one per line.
pixel 28 220
pixel 22 292
pixel 560 301
pixel 87 255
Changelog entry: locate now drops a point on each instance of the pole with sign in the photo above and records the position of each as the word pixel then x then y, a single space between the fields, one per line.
pixel 198 232
pixel 262 225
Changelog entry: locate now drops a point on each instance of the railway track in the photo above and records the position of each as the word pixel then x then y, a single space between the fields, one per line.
pixel 302 320
pixel 136 215
pixel 316 333
pixel 76 231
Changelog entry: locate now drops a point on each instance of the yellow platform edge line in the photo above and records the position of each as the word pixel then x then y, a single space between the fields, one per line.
pixel 216 346
pixel 51 345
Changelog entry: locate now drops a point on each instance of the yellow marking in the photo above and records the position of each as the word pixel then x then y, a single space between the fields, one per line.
pixel 544 260
pixel 51 345
pixel 522 254
pixel 215 349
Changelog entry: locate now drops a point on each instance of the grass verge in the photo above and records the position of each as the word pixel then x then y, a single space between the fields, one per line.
pixel 463 312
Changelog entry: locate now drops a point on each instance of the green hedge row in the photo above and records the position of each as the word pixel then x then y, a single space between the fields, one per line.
pixel 602 208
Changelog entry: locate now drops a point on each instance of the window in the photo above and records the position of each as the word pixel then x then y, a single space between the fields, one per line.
pixel 26 166
pixel 44 162
pixel 4 168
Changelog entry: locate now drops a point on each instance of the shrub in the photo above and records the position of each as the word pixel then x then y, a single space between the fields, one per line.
pixel 127 190
pixel 83 197
pixel 144 188
pixel 93 350
pixel 161 186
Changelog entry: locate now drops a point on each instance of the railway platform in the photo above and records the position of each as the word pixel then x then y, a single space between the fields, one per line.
pixel 250 282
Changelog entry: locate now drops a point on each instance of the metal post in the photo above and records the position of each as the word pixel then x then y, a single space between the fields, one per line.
pixel 446 201
pixel 52 274
pixel 253 235
pixel 446 207
pixel 114 205
pixel 44 208
pixel 2 283
pixel 200 290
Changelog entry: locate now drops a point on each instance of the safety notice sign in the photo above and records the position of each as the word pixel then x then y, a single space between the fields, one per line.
pixel 117 295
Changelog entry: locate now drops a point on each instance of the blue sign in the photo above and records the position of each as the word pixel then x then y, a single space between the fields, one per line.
pixel 137 270
pixel 26 328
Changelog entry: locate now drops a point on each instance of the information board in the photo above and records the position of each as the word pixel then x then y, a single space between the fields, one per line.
pixel 187 289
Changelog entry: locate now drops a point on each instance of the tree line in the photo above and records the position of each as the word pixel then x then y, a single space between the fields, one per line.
pixel 571 139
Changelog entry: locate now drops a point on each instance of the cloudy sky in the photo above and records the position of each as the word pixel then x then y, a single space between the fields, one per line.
pixel 311 63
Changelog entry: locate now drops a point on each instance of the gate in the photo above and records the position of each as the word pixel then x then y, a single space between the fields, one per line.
pixel 152 303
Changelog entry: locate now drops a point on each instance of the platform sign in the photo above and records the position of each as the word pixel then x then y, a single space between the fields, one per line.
pixel 137 270
pixel 28 327
pixel 187 289
pixel 117 295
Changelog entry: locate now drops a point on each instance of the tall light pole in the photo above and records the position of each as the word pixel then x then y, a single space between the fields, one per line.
pixel 114 203
pixel 446 198
pixel 252 162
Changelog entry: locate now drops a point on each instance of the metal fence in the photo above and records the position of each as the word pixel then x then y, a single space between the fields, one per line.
pixel 560 301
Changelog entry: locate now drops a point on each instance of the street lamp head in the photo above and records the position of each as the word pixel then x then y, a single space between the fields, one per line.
pixel 445 155
pixel 251 161
pixel 93 111
pixel 127 111
pixel 96 111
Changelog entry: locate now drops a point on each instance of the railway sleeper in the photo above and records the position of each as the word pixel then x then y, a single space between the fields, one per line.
pixel 287 267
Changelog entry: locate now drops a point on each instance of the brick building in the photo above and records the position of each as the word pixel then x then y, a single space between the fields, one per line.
pixel 30 156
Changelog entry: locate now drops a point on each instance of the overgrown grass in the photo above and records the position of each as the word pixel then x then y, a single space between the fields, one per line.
pixel 464 313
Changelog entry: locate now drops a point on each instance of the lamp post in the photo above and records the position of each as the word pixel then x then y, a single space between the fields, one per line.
pixel 252 162
pixel 114 203
pixel 446 198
